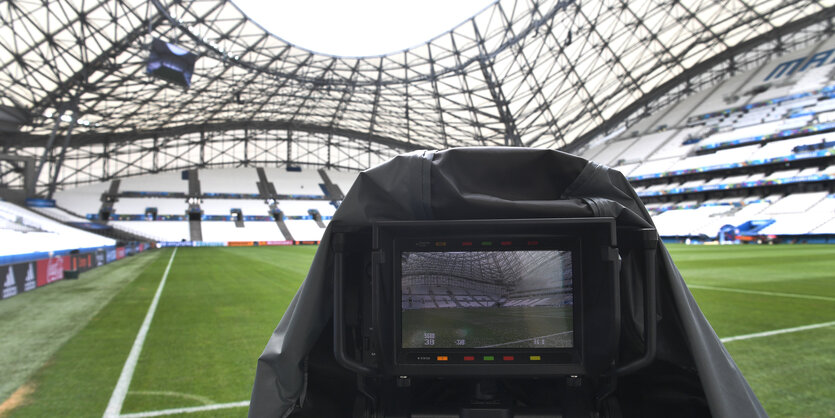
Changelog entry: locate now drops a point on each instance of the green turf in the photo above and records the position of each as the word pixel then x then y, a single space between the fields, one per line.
pixel 34 325
pixel 509 327
pixel 215 315
pixel 79 379
pixel 213 320
pixel 220 305
pixel 792 374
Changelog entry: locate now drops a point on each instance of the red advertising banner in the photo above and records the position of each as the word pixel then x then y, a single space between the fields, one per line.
pixel 120 253
pixel 50 270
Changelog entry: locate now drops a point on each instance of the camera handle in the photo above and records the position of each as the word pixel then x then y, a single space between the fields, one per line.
pixel 339 350
pixel 649 244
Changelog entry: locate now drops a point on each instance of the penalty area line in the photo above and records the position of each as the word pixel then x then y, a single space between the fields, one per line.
pixel 776 332
pixel 186 410
pixel 525 340
pixel 761 292
pixel 114 407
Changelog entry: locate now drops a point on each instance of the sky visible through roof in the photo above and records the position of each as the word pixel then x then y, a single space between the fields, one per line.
pixel 359 27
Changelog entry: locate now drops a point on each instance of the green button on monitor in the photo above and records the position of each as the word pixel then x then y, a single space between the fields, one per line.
pixel 488 358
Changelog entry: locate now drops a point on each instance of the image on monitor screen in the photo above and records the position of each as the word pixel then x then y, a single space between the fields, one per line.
pixel 487 299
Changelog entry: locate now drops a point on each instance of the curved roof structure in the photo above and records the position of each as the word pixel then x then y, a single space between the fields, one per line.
pixel 536 73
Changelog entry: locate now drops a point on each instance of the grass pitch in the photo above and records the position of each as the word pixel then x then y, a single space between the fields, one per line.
pixel 217 310
pixel 750 289
pixel 507 327
pixel 219 306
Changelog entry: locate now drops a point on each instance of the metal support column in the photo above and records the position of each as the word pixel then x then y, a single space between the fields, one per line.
pixel 57 168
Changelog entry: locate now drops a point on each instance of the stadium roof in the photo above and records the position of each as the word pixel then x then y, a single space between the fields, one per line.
pixel 537 73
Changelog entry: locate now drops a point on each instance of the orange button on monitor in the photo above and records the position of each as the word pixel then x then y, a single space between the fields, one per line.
pixel 443 358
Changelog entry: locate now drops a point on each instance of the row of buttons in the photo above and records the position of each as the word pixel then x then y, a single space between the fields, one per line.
pixel 470 243
pixel 483 358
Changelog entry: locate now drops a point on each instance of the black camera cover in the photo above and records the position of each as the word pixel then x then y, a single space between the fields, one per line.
pixel 691 371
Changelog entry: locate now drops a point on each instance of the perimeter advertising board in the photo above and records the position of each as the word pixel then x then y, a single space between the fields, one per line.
pixel 50 270
pixel 101 258
pixel 277 243
pixel 79 262
pixel 241 243
pixel 18 278
pixel 23 277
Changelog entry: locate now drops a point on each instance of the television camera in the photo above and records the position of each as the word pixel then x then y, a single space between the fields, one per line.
pixel 488 318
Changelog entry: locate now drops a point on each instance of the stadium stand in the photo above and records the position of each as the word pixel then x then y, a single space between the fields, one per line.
pixel 249 207
pixel 229 180
pixel 305 182
pixel 304 230
pixel 225 231
pixel 59 214
pixel 138 206
pixel 746 112
pixel 301 207
pixel 82 200
pixel 156 230
pixel 160 182
pixel 756 156
pixel 155 206
pixel 343 179
pixel 747 149
pixel 24 231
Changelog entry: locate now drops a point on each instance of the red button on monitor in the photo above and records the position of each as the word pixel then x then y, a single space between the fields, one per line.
pixel 469 358
pixel 507 358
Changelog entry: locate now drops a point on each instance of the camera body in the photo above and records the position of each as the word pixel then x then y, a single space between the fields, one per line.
pixel 483 308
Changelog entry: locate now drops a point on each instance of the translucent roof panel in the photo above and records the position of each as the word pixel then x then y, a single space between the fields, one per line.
pixel 539 73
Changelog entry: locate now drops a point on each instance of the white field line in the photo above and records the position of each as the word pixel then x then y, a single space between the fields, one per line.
pixel 114 407
pixel 527 339
pixel 240 404
pixel 202 399
pixel 760 292
pixel 243 404
pixel 246 403
pixel 776 332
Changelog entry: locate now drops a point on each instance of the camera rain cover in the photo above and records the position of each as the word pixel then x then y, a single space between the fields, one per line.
pixel 691 369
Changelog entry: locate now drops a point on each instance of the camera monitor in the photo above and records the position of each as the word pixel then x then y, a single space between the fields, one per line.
pixel 483 299
pixel 491 300
pixel 480 298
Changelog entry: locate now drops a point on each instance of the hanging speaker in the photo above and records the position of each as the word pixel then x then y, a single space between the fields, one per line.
pixel 171 63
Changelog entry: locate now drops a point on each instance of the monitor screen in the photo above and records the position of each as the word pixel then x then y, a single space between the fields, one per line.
pixel 487 299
